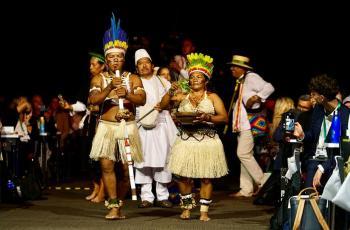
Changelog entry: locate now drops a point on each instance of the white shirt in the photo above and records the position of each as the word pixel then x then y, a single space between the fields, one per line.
pixel 156 142
pixel 322 137
pixel 253 85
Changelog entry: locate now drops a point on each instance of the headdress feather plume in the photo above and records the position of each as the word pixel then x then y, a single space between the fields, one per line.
pixel 200 63
pixel 115 39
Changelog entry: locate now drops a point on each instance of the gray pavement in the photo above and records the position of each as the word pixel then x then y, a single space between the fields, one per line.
pixel 69 210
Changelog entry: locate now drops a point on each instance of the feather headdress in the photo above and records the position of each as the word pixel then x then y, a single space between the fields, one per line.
pixel 115 38
pixel 198 62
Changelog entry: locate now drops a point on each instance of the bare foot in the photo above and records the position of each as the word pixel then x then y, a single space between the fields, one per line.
pixel 204 216
pixel 100 195
pixel 94 193
pixel 185 215
pixel 98 199
pixel 91 196
pixel 114 214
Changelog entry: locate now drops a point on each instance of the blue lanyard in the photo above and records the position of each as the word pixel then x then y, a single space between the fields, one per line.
pixel 324 122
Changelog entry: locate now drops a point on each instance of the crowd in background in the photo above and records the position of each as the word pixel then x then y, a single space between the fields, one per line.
pixel 68 141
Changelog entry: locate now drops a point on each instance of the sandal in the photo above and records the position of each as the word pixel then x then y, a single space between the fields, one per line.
pixel 115 217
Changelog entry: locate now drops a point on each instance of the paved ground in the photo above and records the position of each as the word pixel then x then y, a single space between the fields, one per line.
pixel 67 209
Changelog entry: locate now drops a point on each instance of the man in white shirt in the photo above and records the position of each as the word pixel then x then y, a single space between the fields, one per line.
pixel 252 91
pixel 157 137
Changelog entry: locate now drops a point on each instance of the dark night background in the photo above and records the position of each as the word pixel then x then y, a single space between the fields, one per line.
pixel 48 45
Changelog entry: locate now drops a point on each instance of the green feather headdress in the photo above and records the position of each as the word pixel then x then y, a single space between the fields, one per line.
pixel 198 62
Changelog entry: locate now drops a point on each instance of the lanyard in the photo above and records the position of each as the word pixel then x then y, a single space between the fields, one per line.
pixel 324 122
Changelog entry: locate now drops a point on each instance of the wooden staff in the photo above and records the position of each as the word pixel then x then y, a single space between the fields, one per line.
pixel 128 151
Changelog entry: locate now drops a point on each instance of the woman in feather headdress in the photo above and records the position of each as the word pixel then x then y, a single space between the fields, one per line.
pixel 198 152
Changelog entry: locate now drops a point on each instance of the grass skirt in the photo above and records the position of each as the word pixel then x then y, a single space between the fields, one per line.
pixel 109 141
pixel 198 159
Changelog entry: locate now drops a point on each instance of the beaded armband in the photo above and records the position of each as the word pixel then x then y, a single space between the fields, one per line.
pixel 95 88
pixel 139 88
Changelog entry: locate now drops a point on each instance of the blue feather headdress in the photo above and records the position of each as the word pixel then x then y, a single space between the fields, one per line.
pixel 115 38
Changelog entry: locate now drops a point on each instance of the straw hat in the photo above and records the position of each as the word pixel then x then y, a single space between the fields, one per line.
pixel 241 61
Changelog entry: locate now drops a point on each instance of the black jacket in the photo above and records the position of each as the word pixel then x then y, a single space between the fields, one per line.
pixel 312 135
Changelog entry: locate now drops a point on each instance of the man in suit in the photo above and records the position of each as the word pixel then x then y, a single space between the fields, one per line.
pixel 323 90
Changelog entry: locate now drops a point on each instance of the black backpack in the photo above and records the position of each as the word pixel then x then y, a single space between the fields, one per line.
pixel 271 191
pixel 30 183
pixel 280 219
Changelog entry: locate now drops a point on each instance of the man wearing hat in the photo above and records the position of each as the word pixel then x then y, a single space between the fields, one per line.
pixel 156 139
pixel 251 91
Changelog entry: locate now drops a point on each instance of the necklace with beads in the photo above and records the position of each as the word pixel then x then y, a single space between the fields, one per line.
pixel 195 100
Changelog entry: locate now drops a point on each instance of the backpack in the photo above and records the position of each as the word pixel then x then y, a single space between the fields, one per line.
pixel 30 183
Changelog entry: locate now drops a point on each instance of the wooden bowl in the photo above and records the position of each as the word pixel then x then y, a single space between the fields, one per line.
pixel 186 118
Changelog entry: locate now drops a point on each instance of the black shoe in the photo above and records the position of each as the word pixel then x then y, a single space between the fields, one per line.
pixel 164 204
pixel 145 204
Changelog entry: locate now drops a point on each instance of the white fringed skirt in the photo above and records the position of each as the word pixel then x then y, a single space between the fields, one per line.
pixel 109 141
pixel 198 159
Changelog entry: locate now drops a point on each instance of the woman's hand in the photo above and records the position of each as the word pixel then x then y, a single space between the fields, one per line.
pixel 203 117
pixel 174 88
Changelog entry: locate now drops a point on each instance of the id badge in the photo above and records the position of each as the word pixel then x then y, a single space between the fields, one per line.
pixel 321 153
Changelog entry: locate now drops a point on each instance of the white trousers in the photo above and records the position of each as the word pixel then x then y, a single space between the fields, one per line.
pixel 250 169
pixel 145 177
pixel 161 190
